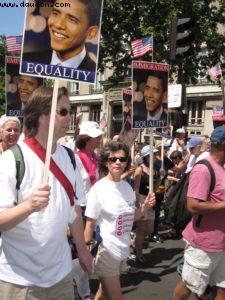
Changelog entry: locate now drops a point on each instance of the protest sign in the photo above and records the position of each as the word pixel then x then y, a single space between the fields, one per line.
pixel 150 93
pixel 61 39
pixel 19 88
pixel 174 95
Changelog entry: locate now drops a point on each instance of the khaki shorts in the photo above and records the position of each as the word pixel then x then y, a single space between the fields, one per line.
pixel 149 214
pixel 62 290
pixel 107 266
pixel 202 268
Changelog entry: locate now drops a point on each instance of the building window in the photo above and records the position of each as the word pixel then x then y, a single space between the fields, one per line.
pixel 117 118
pixel 196 112
pixel 73 119
pixel 74 88
pixel 95 111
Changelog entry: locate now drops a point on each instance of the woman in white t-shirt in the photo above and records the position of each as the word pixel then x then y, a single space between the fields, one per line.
pixel 111 205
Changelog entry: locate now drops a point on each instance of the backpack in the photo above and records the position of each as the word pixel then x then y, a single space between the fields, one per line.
pixel 20 165
pixel 176 203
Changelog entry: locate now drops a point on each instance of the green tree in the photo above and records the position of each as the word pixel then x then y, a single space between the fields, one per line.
pixel 124 20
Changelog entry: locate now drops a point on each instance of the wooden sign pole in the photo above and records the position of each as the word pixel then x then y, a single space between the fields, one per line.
pixel 51 131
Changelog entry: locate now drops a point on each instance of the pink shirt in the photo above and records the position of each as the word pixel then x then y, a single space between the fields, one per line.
pixel 210 235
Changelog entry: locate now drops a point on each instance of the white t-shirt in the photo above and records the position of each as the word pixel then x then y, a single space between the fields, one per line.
pixel 191 162
pixel 84 180
pixel 36 251
pixel 112 204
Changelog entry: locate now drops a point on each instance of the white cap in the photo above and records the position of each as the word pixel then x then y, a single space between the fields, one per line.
pixel 180 130
pixel 91 129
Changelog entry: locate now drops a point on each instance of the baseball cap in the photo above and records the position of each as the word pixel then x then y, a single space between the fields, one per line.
pixel 218 135
pixel 180 130
pixel 165 145
pixel 194 141
pixel 91 129
pixel 146 150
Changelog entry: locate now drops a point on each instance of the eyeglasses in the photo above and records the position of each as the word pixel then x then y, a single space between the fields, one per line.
pixel 114 159
pixel 63 111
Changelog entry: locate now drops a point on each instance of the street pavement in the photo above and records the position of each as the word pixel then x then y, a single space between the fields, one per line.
pixel 157 280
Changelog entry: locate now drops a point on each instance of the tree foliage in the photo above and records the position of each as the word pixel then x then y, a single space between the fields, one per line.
pixel 123 20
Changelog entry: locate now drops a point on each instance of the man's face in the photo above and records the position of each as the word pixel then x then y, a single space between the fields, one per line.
pixel 69 28
pixel 26 86
pixel 153 93
pixel 62 123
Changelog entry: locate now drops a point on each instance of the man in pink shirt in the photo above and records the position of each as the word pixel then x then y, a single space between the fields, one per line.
pixel 205 242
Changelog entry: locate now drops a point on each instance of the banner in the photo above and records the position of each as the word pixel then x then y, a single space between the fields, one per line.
pixel 174 95
pixel 150 94
pixel 218 113
pixel 127 108
pixel 19 88
pixel 61 39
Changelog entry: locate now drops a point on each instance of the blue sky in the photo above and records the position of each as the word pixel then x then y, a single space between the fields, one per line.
pixel 12 18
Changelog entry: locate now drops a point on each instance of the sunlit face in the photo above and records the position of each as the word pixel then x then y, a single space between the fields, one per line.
pixel 26 86
pixel 10 134
pixel 69 28
pixel 95 143
pixel 62 123
pixel 153 93
pixel 116 168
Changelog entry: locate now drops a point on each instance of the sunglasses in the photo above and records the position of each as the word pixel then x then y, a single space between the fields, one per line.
pixel 114 159
pixel 63 111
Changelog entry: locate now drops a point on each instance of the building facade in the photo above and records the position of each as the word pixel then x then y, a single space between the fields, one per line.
pixel 92 99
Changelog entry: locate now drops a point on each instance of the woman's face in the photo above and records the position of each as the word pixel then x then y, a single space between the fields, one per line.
pixel 117 162
pixel 95 142
pixel 10 133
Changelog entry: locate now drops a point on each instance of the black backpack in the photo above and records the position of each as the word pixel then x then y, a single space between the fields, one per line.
pixel 176 203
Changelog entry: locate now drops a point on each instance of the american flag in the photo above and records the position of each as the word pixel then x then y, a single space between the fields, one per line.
pixel 142 46
pixel 215 71
pixel 14 43
pixel 103 122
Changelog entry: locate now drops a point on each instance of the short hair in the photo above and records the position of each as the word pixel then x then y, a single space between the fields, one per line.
pixel 176 153
pixel 4 119
pixel 93 10
pixel 82 140
pixel 39 104
pixel 40 81
pixel 112 147
pixel 163 76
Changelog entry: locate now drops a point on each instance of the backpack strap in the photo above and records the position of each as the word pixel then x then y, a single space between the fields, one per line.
pixel 212 183
pixel 211 171
pixel 20 165
pixel 71 155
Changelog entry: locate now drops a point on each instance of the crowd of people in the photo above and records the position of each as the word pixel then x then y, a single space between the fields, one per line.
pixel 98 199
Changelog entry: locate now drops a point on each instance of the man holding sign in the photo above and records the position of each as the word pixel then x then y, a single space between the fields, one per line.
pixel 35 258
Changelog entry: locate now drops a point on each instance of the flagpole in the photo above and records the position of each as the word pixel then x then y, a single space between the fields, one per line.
pixel 152 48
pixel 223 96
